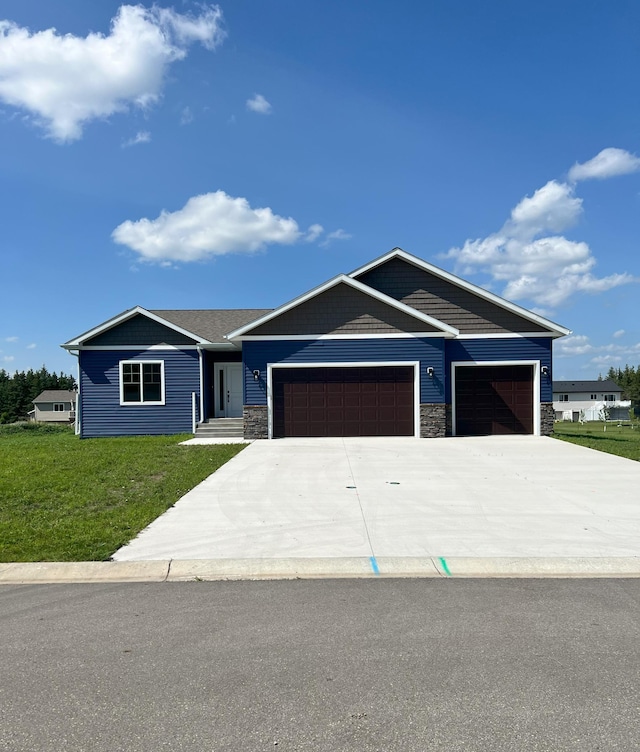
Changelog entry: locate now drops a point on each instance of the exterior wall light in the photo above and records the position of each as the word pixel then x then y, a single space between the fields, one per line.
pixel 545 370
pixel 430 372
pixel 256 375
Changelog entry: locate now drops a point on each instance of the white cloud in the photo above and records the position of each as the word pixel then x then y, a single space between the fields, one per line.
pixel 259 104
pixel 607 164
pixel 531 259
pixel 8 358
pixel 141 137
pixel 313 233
pixel 618 334
pixel 32 346
pixel 577 344
pixel 208 225
pixel 11 339
pixel 339 234
pixel 65 81
pixel 186 116
pixel 605 360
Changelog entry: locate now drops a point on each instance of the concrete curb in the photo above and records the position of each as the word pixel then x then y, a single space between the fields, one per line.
pixel 83 571
pixel 315 568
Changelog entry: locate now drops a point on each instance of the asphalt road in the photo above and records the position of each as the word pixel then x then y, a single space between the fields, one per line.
pixel 335 665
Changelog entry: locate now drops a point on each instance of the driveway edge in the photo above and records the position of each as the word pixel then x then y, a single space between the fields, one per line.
pixel 315 568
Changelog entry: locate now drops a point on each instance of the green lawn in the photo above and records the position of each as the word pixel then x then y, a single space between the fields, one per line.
pixel 66 499
pixel 621 440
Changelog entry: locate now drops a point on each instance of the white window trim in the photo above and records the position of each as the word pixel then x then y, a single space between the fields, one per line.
pixel 415 364
pixel 61 409
pixel 536 386
pixel 141 362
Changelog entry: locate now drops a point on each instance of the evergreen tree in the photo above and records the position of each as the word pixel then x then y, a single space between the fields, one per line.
pixel 18 391
pixel 628 379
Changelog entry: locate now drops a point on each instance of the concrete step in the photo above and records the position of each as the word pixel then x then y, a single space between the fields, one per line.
pixel 220 428
pixel 212 434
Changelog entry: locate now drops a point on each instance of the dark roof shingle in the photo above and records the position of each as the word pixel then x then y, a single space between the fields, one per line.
pixel 586 386
pixel 56 395
pixel 212 325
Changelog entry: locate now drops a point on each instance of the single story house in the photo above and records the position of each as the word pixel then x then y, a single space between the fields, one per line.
pixel 586 400
pixel 398 347
pixel 54 406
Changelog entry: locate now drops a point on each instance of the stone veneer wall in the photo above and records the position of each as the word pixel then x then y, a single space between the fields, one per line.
pixel 432 421
pixel 435 421
pixel 547 418
pixel 256 422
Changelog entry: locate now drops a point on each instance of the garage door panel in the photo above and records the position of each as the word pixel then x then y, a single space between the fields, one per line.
pixel 494 400
pixel 371 401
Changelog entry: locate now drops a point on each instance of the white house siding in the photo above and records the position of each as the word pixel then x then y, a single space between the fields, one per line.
pixel 581 407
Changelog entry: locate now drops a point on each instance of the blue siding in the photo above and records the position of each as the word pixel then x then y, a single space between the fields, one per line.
pixel 101 411
pixel 429 351
pixel 518 348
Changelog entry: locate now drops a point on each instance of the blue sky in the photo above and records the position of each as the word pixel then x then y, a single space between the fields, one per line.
pixel 235 155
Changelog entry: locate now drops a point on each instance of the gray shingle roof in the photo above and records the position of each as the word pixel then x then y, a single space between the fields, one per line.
pixel 212 325
pixel 586 386
pixel 56 395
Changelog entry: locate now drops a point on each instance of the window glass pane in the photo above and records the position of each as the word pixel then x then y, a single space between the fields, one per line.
pixel 131 392
pixel 151 372
pixel 151 375
pixel 131 373
pixel 131 382
pixel 152 393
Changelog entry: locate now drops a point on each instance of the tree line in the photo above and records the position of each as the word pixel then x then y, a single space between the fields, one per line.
pixel 628 379
pixel 18 390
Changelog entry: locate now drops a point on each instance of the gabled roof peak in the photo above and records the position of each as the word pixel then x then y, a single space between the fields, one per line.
pixel 426 266
pixel 125 316
pixel 446 329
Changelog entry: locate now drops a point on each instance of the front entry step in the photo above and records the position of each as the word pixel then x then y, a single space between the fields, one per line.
pixel 220 428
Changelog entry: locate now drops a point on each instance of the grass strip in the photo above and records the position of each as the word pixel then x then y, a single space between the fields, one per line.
pixel 622 439
pixel 67 499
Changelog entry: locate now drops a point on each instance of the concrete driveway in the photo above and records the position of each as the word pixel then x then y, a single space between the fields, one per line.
pixel 404 497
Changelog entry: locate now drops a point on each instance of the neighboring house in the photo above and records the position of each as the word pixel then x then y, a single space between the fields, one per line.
pixel 54 406
pixel 396 347
pixel 586 400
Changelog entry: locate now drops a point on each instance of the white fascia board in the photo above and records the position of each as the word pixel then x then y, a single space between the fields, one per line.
pixel 313 337
pixel 124 316
pixel 227 346
pixel 511 335
pixel 138 348
pixel 343 279
pixel 561 331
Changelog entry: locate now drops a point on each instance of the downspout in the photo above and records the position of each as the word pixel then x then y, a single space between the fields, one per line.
pixel 201 360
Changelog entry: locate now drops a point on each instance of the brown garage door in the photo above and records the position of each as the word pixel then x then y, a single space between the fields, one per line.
pixel 376 401
pixel 494 400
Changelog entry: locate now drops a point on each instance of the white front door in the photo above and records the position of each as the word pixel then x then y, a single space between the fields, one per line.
pixel 228 390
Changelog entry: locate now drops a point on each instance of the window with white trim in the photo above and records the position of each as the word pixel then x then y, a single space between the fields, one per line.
pixel 609 397
pixel 594 397
pixel 58 407
pixel 563 398
pixel 142 382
